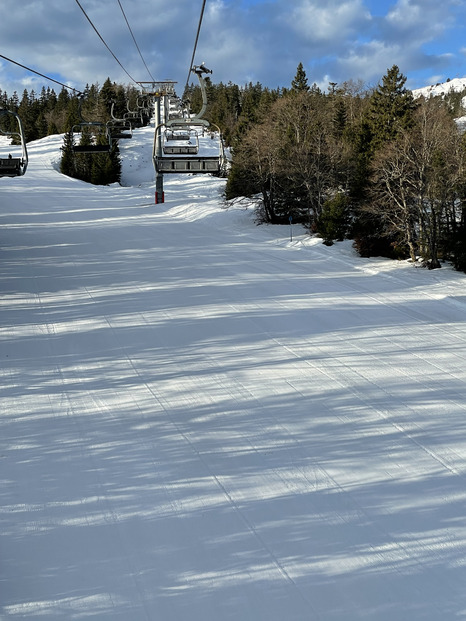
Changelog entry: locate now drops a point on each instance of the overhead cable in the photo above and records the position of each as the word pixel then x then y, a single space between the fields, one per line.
pixel 195 43
pixel 101 38
pixel 40 74
pixel 135 42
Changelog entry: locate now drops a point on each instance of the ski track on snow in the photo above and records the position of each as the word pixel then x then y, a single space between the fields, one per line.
pixel 188 435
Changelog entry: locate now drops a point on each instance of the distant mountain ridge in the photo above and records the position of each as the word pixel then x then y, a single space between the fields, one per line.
pixel 455 85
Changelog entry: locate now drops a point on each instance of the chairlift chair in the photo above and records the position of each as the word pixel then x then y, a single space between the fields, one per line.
pixel 14 166
pixel 135 117
pixel 94 128
pixel 119 130
pixel 181 143
pixel 172 135
pixel 183 162
pixel 178 159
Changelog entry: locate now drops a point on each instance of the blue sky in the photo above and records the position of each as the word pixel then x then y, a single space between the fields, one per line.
pixel 241 40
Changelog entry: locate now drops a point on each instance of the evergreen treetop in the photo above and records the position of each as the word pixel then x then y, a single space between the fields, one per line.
pixel 299 83
pixel 392 107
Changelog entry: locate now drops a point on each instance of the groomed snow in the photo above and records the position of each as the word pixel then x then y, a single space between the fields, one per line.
pixel 202 419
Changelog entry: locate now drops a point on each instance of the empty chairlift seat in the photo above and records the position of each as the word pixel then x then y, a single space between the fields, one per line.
pixel 177 136
pixel 189 164
pixel 94 130
pixel 91 148
pixel 119 129
pixel 181 143
pixel 174 149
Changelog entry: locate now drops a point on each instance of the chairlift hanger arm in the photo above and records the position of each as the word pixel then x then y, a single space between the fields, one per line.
pixel 113 116
pixel 199 70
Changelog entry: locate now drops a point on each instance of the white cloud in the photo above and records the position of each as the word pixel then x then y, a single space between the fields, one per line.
pixel 421 20
pixel 376 53
pixel 328 23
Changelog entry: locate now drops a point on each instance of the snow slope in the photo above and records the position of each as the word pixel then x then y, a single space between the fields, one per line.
pixel 203 419
pixel 457 85
pixel 443 88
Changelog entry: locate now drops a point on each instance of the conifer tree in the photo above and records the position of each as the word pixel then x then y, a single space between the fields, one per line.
pixel 27 113
pixel 83 161
pixel 52 128
pixel 63 100
pixel 392 108
pixel 106 96
pixel 67 163
pixel 340 117
pixel 41 126
pixel 71 115
pixel 115 164
pixel 119 109
pixel 299 83
pixel 105 167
